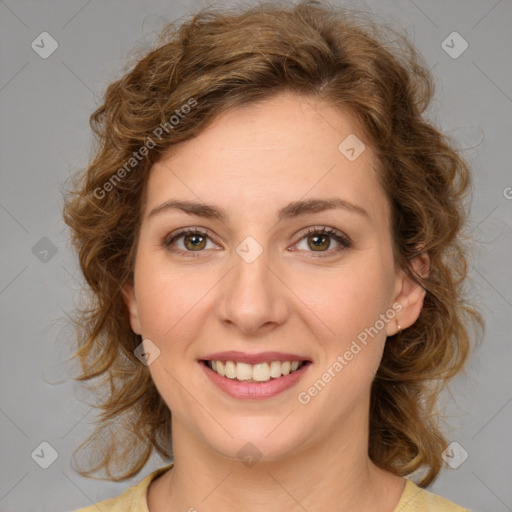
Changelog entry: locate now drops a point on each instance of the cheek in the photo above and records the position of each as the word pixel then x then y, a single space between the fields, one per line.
pixel 172 308
pixel 350 304
pixel 168 299
pixel 345 300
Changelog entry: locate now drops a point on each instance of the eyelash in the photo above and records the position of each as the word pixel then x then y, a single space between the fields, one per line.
pixel 343 240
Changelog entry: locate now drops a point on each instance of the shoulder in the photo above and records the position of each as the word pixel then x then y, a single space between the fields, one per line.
pixel 132 500
pixel 415 499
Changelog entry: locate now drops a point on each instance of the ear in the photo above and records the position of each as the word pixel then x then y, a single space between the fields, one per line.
pixel 128 290
pixel 409 295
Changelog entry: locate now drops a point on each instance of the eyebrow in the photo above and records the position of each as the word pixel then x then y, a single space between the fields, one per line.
pixel 291 210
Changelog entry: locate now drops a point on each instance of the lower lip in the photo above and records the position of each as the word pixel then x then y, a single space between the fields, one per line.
pixel 255 390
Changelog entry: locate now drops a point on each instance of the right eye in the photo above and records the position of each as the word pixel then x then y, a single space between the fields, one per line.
pixel 188 240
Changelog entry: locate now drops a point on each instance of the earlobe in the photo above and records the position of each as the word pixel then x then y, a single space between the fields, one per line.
pixel 410 296
pixel 128 291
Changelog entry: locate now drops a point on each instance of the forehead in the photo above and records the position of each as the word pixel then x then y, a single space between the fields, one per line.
pixel 261 156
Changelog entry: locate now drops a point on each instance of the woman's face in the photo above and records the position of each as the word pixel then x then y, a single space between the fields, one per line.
pixel 257 280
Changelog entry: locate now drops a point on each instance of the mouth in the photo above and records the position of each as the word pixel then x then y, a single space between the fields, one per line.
pixel 254 376
pixel 260 372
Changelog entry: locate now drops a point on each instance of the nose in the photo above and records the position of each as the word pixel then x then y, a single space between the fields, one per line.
pixel 254 299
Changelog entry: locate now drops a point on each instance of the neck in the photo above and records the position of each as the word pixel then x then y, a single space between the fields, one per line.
pixel 337 471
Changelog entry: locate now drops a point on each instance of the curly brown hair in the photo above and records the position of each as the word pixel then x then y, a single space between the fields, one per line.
pixel 219 59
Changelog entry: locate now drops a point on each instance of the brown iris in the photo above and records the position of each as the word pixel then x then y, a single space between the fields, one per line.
pixel 319 242
pixel 194 242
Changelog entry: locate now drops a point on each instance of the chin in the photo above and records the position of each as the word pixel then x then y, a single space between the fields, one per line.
pixel 252 447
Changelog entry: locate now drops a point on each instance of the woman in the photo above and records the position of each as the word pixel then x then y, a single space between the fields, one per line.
pixel 271 235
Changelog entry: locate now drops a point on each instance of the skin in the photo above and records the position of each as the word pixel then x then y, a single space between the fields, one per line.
pixel 252 161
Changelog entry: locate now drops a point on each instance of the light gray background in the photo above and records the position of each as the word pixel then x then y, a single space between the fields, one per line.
pixel 45 105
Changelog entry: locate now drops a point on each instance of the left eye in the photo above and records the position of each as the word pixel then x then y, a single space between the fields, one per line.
pixel 320 240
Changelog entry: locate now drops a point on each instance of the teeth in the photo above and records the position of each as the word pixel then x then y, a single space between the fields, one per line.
pixel 243 371
pixel 220 368
pixel 230 369
pixel 275 369
pixel 261 372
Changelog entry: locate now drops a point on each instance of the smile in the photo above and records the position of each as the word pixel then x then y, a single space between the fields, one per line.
pixel 254 376
pixel 261 372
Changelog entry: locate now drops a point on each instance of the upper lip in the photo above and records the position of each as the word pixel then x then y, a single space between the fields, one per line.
pixel 261 357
